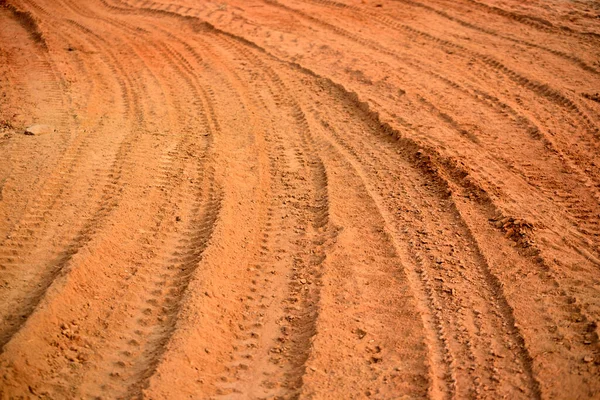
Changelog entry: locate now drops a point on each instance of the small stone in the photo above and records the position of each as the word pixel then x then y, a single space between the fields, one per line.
pixel 588 359
pixel 38 130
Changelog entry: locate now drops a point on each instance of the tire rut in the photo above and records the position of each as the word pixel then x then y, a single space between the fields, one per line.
pixel 290 347
pixel 502 303
pixel 267 199
pixel 24 239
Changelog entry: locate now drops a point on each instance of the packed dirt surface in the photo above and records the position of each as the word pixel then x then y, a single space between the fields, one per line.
pixel 346 199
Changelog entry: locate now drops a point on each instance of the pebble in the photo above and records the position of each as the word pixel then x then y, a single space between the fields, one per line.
pixel 38 130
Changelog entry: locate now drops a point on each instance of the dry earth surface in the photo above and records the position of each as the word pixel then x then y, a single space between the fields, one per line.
pixel 299 199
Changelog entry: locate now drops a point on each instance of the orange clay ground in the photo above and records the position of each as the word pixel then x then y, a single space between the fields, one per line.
pixel 313 199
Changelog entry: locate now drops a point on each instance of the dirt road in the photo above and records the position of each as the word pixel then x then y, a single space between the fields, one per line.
pixel 300 199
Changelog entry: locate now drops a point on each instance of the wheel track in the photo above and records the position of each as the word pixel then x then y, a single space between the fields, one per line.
pixel 527 359
pixel 156 312
pixel 442 363
pixel 536 22
pixel 316 205
pixel 27 22
pixel 488 276
pixel 291 349
pixel 248 359
pixel 569 57
pixel 181 279
pixel 428 279
pixel 249 347
pixel 149 342
pixel 66 166
pixel 108 202
pixel 403 60
pixel 57 93
pixel 564 304
pixel 252 340
pixel 50 82
pixel 33 222
pixel 385 51
pixel 255 45
pixel 579 214
pixel 304 321
pixel 425 270
pixel 538 88
pixel 321 215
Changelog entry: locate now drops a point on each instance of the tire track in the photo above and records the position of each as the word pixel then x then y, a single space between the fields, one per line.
pixel 248 371
pixel 378 48
pixel 293 376
pixel 291 348
pixel 505 307
pixel 580 214
pixel 46 81
pixel 417 68
pixel 539 88
pixel 442 362
pixel 108 202
pixel 580 219
pixel 535 22
pixel 297 114
pixel 223 220
pixel 179 278
pixel 441 291
pixel 250 356
pixel 453 125
pixel 183 60
pixel 22 241
pixel 155 312
pixel 485 271
pixel 568 57
pixel 461 173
